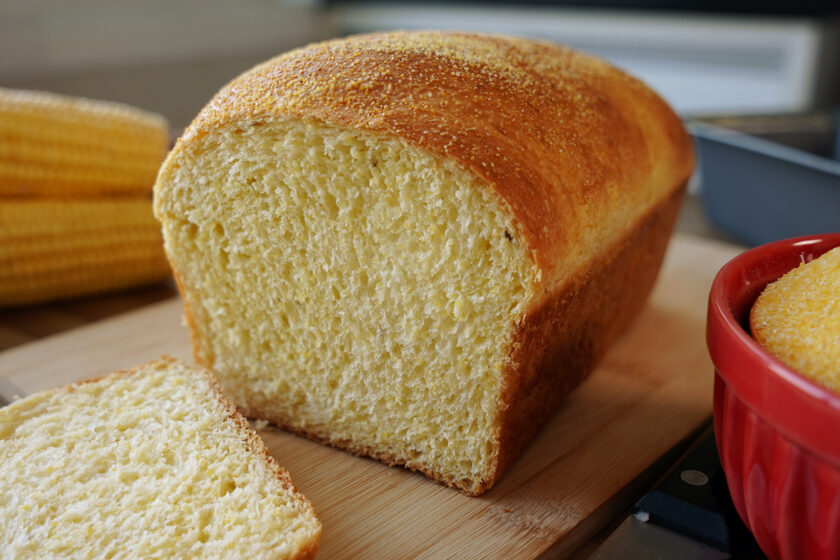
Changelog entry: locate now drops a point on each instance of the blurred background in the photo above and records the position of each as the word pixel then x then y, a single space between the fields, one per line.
pixel 714 57
pixel 757 83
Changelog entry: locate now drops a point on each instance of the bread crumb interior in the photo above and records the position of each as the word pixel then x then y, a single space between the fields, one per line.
pixel 140 465
pixel 351 286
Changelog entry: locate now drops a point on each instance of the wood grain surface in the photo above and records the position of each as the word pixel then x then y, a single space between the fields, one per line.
pixel 610 439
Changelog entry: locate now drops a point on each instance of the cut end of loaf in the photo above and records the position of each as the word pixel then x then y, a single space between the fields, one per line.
pixel 350 287
pixel 376 238
pixel 151 462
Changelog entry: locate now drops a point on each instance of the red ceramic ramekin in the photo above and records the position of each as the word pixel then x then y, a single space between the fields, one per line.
pixel 777 432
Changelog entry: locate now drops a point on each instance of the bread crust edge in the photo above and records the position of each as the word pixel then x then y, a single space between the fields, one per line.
pixel 560 342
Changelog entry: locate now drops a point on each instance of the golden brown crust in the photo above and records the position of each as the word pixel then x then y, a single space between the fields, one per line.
pixel 568 142
pixel 558 344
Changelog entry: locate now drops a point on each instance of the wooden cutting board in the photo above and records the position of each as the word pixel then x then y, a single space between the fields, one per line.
pixel 612 437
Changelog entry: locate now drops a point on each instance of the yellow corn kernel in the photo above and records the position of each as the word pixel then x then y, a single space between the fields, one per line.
pixel 58 249
pixel 60 146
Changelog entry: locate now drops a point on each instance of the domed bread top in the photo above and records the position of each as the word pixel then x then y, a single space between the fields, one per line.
pixel 559 135
pixel 797 319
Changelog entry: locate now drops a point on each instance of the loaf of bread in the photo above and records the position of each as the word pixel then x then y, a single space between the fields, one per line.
pixel 149 463
pixel 412 245
pixel 797 319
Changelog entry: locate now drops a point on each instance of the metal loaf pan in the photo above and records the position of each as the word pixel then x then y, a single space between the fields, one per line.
pixel 765 178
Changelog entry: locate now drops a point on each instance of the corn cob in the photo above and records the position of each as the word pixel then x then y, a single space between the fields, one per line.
pixel 59 146
pixel 58 249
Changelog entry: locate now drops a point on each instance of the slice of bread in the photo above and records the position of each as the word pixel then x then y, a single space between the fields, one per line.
pixel 413 245
pixel 797 319
pixel 151 462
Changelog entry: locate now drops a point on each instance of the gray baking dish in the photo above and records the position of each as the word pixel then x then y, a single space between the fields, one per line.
pixel 765 178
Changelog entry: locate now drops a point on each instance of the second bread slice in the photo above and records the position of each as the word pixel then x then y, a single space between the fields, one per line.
pixel 152 462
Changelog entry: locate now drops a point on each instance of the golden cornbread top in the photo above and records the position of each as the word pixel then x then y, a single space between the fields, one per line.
pixel 797 319
pixel 559 136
